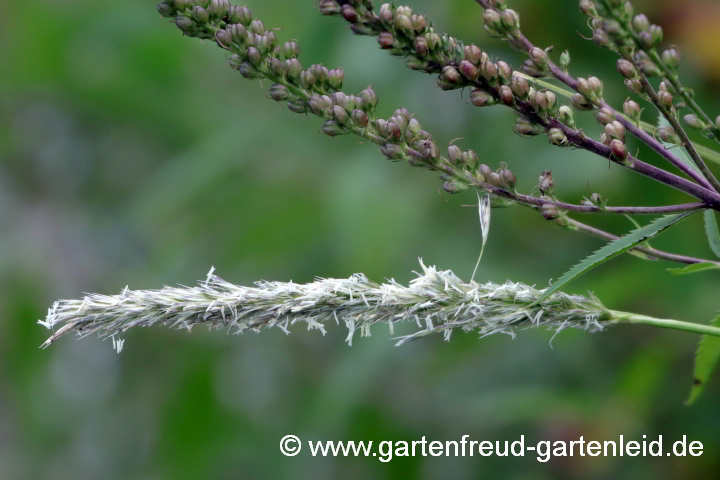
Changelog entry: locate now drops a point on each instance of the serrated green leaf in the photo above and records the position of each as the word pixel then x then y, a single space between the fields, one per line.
pixel 706 356
pixel 615 248
pixel 711 228
pixel 695 268
pixel 638 253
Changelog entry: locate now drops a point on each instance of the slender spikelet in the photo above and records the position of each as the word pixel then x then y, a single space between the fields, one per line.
pixel 437 301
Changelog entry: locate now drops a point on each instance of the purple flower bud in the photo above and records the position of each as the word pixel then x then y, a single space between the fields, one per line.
pixel 596 86
pixel 254 55
pixel 520 86
pixel 492 18
pixel 223 38
pixel 626 68
pixel 505 72
pixel 613 29
pixel 557 137
pixel 525 128
pixel 165 9
pixel 564 60
pixel 257 27
pixel 665 99
pixel 369 99
pixel 469 70
pixel 241 14
pixel 386 14
pixel 480 98
pixel 396 128
pixel 419 22
pixel 454 154
pixel 297 106
pixel 485 171
pixel 539 101
pixel 530 68
pixel 656 32
pixel 581 103
pixel 650 69
pixel 489 71
pixel 588 8
pixel 404 10
pixel 539 56
pixel 597 200
pixel 567 116
pixel 186 24
pixel 200 15
pixel 276 66
pixel 615 130
pixel 386 40
pixel 550 211
pixel 469 159
pixel 393 151
pixel 319 105
pixel 336 78
pixel 632 109
pixel 433 40
pixel 508 178
pixel 279 92
pixel 333 129
pixel 235 61
pixel 382 128
pixel 360 118
pixel 454 187
pixel 634 86
pixel 506 95
pixel 239 33
pixel 349 13
pixel 510 19
pixel 645 39
pixel 640 23
pixel 473 54
pixel 329 7
pixel 671 57
pixel 546 184
pixel 667 135
pixel 340 115
pixel 218 8
pixel 291 49
pixel 248 71
pixel 605 116
pixel 320 73
pixel 414 128
pixel 618 149
pixel 293 68
pixel 421 46
pixel 451 75
pixel 494 180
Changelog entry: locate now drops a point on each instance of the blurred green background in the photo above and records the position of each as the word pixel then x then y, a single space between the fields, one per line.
pixel 132 155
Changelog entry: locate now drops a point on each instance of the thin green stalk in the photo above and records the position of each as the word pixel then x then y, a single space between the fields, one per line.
pixel 636 319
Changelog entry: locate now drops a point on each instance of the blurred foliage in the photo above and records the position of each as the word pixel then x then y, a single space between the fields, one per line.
pixel 129 154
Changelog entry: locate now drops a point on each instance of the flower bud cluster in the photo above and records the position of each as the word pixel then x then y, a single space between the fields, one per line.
pixel 537 64
pixel 255 53
pixel 502 22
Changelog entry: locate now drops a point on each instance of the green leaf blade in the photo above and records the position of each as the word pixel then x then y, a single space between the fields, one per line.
pixel 615 248
pixel 711 229
pixel 694 268
pixel 706 357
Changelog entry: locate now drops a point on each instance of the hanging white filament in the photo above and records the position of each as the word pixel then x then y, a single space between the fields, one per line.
pixel 437 301
pixel 484 214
